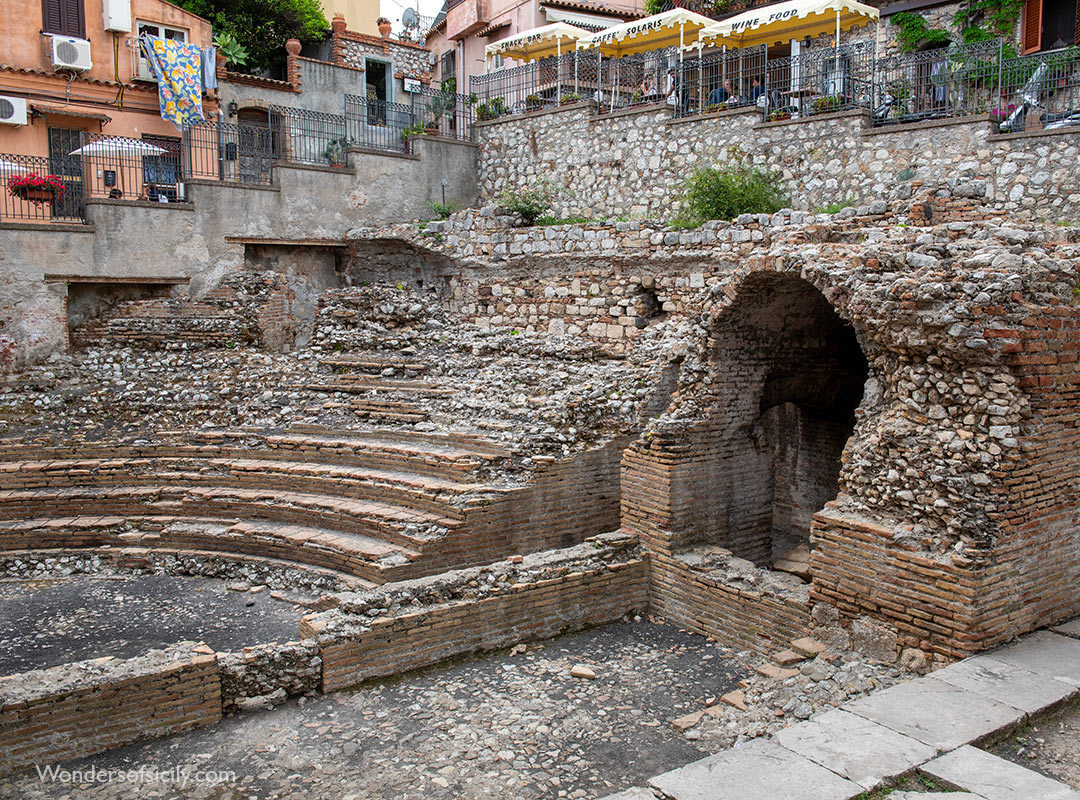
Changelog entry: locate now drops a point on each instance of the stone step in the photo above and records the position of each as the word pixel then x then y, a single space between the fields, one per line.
pixel 126 556
pixel 346 553
pixel 409 528
pixel 389 410
pixel 409 489
pixel 363 384
pixel 372 364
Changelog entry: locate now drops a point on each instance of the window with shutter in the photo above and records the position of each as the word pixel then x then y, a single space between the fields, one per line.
pixel 64 17
pixel 1031 34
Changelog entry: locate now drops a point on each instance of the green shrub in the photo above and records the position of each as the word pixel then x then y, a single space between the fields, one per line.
pixel 531 203
pixel 442 210
pixel 836 208
pixel 728 191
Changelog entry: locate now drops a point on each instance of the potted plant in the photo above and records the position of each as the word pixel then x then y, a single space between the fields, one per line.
pixel 779 116
pixel 495 107
pixel 385 26
pixel 567 99
pixel 411 131
pixel 533 102
pixel 37 188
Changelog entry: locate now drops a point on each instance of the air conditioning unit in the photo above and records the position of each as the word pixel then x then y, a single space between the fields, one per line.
pixel 70 53
pixel 117 15
pixel 12 110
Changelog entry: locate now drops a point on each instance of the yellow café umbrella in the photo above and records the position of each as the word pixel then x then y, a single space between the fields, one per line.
pixel 675 28
pixel 794 19
pixel 532 45
pixel 782 22
pixel 539 43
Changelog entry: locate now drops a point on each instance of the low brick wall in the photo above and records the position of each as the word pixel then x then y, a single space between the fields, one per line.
pixel 547 594
pixel 79 709
pixel 740 617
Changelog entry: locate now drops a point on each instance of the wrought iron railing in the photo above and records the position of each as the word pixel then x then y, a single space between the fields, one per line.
pixel 1039 92
pixel 443 113
pixel 310 137
pixel 721 81
pixel 239 153
pixel 936 84
pixel 376 124
pixel 547 83
pixel 819 82
pixel 40 189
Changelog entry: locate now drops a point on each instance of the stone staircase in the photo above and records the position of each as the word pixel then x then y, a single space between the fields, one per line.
pixel 364 505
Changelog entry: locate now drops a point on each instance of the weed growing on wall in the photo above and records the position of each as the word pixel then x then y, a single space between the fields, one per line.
pixel 530 203
pixel 728 191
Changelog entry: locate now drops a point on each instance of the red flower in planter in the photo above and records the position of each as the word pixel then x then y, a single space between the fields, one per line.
pixel 37 188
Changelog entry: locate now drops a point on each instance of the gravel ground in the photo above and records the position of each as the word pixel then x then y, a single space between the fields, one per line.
pixel 509 724
pixel 496 726
pixel 86 617
pixel 1050 745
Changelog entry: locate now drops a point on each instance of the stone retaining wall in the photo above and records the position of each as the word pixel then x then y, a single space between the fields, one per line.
pixel 416 623
pixel 634 163
pixel 83 708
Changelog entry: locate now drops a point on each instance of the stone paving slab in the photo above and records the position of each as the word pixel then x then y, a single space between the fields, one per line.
pixel 1014 686
pixel 935 796
pixel 936 713
pixel 1069 628
pixel 860 750
pixel 758 770
pixel 1047 653
pixel 995 778
pixel 634 793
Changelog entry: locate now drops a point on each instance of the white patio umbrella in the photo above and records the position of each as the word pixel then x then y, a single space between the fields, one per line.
pixel 118 147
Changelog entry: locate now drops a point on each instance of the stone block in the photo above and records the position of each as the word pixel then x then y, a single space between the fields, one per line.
pixel 808 646
pixel 856 748
pixel 757 769
pixel 936 713
pixel 1005 683
pixel 995 778
pixel 875 641
pixel 1049 654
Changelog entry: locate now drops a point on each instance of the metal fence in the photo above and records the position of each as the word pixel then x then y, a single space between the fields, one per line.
pixel 547 83
pixel 309 137
pixel 225 152
pixel 40 189
pixel 379 125
pixel 819 82
pixel 1039 92
pixel 442 113
pixel 935 84
pixel 721 81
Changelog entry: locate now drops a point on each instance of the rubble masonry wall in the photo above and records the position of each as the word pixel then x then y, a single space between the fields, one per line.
pixel 634 163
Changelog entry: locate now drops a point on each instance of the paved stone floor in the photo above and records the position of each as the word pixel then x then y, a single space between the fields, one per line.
pixel 77 618
pixel 495 726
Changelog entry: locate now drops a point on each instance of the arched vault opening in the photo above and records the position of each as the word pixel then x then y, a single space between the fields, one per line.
pixel 789 374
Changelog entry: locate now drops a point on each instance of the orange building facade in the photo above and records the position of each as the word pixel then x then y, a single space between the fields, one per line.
pixel 69 67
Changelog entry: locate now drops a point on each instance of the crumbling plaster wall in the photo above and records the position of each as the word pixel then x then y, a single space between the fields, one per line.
pixel 188 240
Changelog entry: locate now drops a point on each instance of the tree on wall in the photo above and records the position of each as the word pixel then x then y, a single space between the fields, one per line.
pixel 261 27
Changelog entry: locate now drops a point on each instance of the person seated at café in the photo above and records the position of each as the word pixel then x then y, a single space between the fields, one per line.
pixel 757 91
pixel 648 91
pixel 723 94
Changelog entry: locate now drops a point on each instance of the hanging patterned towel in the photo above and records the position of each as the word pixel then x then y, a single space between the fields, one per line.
pixel 177 68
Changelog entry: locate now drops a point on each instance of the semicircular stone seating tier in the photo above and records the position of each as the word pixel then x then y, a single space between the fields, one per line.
pixel 371 507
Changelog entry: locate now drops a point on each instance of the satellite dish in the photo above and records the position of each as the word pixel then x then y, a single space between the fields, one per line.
pixel 409 18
